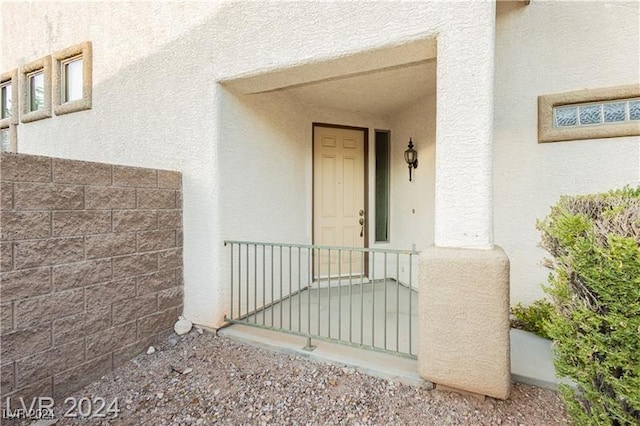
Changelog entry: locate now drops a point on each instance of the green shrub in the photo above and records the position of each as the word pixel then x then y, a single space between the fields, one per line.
pixel 533 317
pixel 595 287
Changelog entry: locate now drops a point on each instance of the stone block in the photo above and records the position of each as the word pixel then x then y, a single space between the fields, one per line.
pixel 25 283
pixel 49 362
pixel 179 238
pixel 464 320
pixel 24 168
pixel 81 274
pixel 81 223
pixel 6 317
pixel 157 322
pixel 180 277
pixel 139 220
pixel 127 353
pixel 135 176
pixel 24 225
pixel 169 179
pixel 156 199
pixel 68 382
pixel 47 196
pixel 157 281
pixel 29 254
pixel 137 264
pixel 170 219
pixel 170 259
pixel 170 298
pixel 109 245
pixel 7 379
pixel 71 328
pixel 132 309
pixel 22 343
pixel 81 172
pixel 6 196
pixel 110 339
pixel 106 197
pixel 28 393
pixel 156 240
pixel 102 295
pixel 6 256
pixel 38 310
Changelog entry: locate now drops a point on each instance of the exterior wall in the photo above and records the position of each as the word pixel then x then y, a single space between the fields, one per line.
pixel 154 101
pixel 155 83
pixel 544 48
pixel 413 203
pixel 91 269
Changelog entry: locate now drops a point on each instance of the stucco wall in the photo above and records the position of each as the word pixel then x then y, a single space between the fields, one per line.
pixel 155 83
pixel 552 47
pixel 90 269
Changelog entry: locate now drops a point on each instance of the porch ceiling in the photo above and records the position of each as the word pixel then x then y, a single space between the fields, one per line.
pixel 377 93
pixel 377 82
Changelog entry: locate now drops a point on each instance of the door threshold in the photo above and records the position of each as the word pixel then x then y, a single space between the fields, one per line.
pixel 337 281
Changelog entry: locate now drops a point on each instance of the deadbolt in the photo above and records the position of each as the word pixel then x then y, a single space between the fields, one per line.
pixel 361 212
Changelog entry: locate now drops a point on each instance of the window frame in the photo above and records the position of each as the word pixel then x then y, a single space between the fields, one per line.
pixel 388 187
pixel 13 137
pixel 60 58
pixel 12 77
pixel 548 132
pixel 26 70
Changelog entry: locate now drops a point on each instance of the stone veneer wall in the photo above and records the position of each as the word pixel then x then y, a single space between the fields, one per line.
pixel 90 269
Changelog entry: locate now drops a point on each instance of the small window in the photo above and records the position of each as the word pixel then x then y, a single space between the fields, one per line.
pixel 8 99
pixel 8 139
pixel 589 114
pixel 36 90
pixel 72 89
pixel 382 185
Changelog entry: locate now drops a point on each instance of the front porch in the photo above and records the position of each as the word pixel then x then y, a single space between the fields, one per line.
pixel 278 287
pixel 438 99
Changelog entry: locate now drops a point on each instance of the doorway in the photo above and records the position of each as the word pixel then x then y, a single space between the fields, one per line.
pixel 340 197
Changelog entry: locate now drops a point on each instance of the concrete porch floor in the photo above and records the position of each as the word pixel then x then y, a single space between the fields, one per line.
pixel 319 310
pixel 381 314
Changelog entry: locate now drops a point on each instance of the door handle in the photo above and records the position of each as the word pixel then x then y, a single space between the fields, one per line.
pixel 361 221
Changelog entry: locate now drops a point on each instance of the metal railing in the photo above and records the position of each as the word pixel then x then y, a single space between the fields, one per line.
pixel 363 297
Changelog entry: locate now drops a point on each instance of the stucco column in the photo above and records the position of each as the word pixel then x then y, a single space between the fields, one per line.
pixel 464 278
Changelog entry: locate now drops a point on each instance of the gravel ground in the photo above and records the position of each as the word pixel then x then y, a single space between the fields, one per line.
pixel 231 383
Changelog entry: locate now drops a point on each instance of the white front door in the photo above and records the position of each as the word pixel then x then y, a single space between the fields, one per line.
pixel 339 215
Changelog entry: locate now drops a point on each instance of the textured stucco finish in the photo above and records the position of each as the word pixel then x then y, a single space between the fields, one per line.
pixel 463 324
pixel 529 176
pixel 155 84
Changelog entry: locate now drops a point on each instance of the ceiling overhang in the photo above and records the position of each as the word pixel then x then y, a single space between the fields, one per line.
pixel 328 69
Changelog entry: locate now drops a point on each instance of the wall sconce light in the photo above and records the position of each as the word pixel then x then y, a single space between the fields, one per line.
pixel 411 157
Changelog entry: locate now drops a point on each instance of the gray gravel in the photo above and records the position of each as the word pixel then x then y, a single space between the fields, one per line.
pixel 231 383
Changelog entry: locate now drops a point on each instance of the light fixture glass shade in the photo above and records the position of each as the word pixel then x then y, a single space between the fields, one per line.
pixel 410 155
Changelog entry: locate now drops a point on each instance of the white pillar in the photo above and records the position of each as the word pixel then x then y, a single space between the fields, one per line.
pixel 464 279
pixel 465 81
